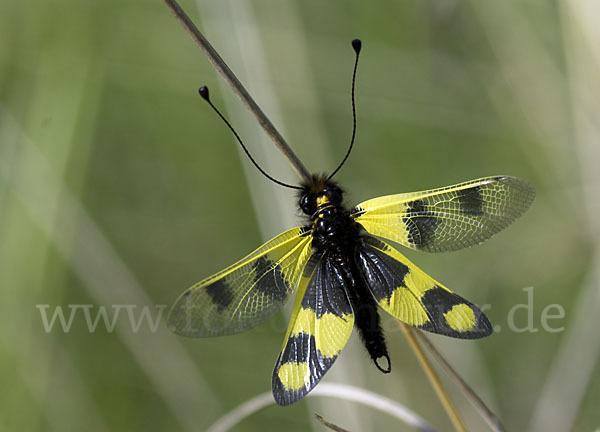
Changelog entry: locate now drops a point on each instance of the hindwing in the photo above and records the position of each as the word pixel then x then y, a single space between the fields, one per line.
pixel 449 218
pixel 407 293
pixel 246 293
pixel 319 328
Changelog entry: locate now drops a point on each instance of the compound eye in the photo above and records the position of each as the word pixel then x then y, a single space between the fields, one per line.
pixel 307 204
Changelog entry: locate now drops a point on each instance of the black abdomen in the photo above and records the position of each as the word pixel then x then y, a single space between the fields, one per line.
pixel 367 321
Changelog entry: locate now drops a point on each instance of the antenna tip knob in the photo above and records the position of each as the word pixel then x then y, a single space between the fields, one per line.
pixel 356 44
pixel 204 92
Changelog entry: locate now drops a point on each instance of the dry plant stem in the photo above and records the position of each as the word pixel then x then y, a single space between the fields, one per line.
pixel 491 419
pixel 331 426
pixel 237 87
pixel 433 378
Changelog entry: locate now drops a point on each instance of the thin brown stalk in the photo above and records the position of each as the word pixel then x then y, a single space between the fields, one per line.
pixel 434 379
pixel 491 419
pixel 330 425
pixel 237 87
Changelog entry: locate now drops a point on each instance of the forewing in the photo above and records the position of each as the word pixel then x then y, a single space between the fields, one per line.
pixel 246 293
pixel 407 293
pixel 449 218
pixel 319 328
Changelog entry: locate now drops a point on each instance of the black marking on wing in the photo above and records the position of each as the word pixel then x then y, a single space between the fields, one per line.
pixel 382 273
pixel 420 223
pixel 471 201
pixel 220 294
pixel 438 302
pixel 269 281
pixel 324 295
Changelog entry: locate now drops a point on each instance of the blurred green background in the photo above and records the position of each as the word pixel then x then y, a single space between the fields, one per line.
pixel 119 188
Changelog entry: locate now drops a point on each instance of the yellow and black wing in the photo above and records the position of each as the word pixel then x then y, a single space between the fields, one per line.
pixel 407 293
pixel 319 328
pixel 246 293
pixel 449 218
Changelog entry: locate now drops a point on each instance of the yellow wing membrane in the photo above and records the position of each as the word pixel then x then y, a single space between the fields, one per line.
pixel 407 293
pixel 449 218
pixel 319 328
pixel 246 293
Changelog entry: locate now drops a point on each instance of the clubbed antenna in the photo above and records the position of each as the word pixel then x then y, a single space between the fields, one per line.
pixel 205 95
pixel 356 44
